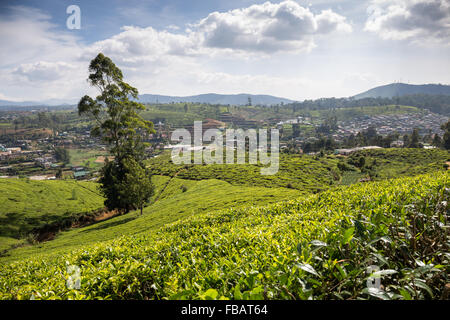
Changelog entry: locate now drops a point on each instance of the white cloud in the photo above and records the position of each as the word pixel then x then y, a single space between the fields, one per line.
pixel 44 71
pixel 268 28
pixel 416 20
pixel 40 62
pixel 27 33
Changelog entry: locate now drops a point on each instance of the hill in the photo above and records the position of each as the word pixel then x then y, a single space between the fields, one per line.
pixel 174 199
pixel 28 204
pixel 402 89
pixel 317 247
pixel 213 98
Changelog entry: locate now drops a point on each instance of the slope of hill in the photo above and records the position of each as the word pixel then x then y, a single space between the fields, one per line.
pixel 302 172
pixel 403 89
pixel 224 99
pixel 27 204
pixel 313 248
pixel 174 199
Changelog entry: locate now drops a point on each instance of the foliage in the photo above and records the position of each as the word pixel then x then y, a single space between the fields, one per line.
pixel 116 116
pixel 62 154
pixel 118 123
pixel 28 204
pixel 168 204
pixel 136 188
pixel 313 248
pixel 302 172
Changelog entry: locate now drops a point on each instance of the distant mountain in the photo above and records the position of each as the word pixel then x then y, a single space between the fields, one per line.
pixel 213 98
pixel 49 102
pixel 232 99
pixel 403 89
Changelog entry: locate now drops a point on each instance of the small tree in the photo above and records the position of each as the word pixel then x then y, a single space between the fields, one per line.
pixel 62 154
pixel 446 137
pixel 414 143
pixel 136 187
pixel 361 162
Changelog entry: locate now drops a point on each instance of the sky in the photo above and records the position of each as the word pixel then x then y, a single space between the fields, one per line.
pixel 294 49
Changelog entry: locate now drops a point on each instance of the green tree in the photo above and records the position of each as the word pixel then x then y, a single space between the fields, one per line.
pixel 59 173
pixel 62 154
pixel 118 124
pixel 437 141
pixel 116 117
pixel 446 136
pixel 414 139
pixel 137 187
pixel 361 162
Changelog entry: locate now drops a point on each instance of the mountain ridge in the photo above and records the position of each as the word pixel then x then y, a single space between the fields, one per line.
pixel 402 89
pixel 213 98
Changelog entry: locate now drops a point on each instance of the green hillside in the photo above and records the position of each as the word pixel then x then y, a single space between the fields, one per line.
pixel 28 204
pixel 313 248
pixel 302 172
pixel 174 199
pixel 393 162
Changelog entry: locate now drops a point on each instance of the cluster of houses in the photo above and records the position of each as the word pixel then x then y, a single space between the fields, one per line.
pixel 387 124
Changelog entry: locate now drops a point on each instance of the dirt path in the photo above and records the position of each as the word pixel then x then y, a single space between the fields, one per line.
pixel 88 220
pixel 448 163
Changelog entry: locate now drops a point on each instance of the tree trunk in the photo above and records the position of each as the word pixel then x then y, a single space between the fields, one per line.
pixel 142 207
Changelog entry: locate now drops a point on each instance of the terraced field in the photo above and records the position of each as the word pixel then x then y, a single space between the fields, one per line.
pixel 174 199
pixel 315 247
pixel 28 204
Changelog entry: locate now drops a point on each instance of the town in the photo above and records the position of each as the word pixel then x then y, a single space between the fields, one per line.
pixel 42 144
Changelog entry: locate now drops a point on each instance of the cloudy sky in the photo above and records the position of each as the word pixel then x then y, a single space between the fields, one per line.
pixel 293 48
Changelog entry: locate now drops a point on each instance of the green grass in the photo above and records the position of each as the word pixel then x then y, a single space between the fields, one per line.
pixel 28 204
pixel 173 204
pixel 312 248
pixel 86 158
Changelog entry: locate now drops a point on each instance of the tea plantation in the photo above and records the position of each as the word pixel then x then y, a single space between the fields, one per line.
pixel 315 247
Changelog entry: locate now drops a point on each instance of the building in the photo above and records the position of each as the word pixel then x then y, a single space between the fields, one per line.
pixel 81 175
pixel 345 152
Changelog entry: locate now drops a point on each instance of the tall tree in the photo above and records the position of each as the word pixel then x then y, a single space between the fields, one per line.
pixel 118 124
pixel 446 136
pixel 116 117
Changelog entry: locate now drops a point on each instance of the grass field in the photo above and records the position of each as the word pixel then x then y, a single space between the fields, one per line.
pixel 316 247
pixel 86 158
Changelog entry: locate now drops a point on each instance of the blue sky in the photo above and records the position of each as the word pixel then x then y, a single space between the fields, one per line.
pixel 294 49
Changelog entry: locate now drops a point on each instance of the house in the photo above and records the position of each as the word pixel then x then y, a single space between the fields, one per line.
pixel 345 152
pixel 397 144
pixel 80 175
